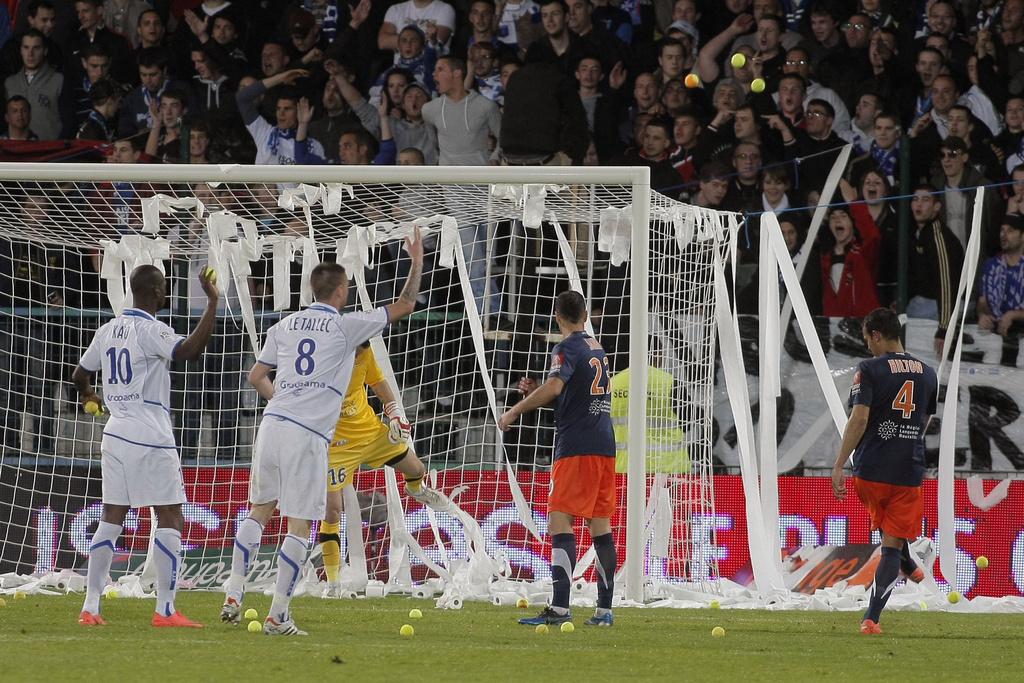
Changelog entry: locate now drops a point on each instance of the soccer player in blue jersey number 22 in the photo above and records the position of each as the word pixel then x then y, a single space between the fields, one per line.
pixel 139 459
pixel 311 353
pixel 891 398
pixel 583 473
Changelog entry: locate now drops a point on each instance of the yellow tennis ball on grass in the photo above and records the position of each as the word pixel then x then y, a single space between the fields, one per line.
pixel 718 632
pixel 522 603
pixel 691 81
pixel 3 603
pixel 541 628
pixel 254 627
pixel 757 85
pixel 567 627
pixel 738 60
pixel 981 562
pixel 415 614
pixel 953 597
pixel 714 604
pixel 251 614
pixel 406 631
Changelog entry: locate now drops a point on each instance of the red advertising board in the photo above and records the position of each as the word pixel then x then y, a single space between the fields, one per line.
pixel 50 531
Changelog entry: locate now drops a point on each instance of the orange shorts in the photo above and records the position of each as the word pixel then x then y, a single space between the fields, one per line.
pixel 896 510
pixel 583 486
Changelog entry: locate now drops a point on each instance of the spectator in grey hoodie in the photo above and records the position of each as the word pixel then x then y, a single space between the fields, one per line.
pixel 466 123
pixel 409 131
pixel 38 83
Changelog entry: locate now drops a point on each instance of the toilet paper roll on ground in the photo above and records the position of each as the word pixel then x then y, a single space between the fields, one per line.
pixel 375 589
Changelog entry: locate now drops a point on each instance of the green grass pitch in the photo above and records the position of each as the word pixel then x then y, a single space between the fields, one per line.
pixel 358 640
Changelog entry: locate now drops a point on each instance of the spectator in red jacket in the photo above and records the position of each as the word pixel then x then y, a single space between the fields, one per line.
pixel 849 269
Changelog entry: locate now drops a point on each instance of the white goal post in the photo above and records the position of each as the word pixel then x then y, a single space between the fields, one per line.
pixel 506 239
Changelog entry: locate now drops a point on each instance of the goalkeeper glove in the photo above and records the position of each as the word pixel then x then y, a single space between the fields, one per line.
pixel 399 429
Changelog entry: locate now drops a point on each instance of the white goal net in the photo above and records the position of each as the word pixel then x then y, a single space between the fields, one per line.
pixel 502 243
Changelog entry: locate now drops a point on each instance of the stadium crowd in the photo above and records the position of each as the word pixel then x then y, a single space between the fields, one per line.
pixel 783 85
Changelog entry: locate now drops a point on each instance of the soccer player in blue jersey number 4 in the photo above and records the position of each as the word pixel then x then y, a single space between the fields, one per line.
pixel 583 473
pixel 139 459
pixel 311 353
pixel 891 398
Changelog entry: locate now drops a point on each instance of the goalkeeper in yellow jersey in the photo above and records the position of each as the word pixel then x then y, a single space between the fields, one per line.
pixel 360 438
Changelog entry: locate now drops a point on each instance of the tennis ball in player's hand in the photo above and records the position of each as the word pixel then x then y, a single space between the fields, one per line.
pixel 738 60
pixel 567 627
pixel 406 630
pixel 254 626
pixel 718 632
pixel 251 614
pixel 757 85
pixel 981 562
pixel 415 614
pixel 92 407
pixel 541 628
pixel 953 597
pixel 522 603
pixel 210 274
pixel 691 80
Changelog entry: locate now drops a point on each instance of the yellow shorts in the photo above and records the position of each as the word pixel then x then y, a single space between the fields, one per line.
pixel 343 460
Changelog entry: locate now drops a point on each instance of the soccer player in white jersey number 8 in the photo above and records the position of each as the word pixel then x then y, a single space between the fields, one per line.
pixel 311 353
pixel 140 464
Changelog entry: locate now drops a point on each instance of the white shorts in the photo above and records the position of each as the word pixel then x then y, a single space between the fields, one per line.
pixel 140 476
pixel 289 465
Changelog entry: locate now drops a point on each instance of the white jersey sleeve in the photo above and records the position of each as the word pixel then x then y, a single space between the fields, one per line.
pixel 359 327
pixel 92 359
pixel 268 354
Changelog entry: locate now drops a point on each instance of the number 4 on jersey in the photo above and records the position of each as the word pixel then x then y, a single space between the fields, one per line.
pixel 904 401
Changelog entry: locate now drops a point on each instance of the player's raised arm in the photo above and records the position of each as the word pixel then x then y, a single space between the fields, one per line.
pixel 539 397
pixel 194 344
pixel 405 304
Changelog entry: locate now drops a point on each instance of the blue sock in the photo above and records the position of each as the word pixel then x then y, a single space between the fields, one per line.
pixel 886 573
pixel 907 563
pixel 563 561
pixel 604 545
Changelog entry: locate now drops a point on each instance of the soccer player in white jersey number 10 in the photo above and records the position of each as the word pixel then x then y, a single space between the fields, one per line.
pixel 311 354
pixel 140 464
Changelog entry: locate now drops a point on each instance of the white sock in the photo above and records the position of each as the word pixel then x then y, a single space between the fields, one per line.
pixel 167 556
pixel 101 554
pixel 291 556
pixel 247 542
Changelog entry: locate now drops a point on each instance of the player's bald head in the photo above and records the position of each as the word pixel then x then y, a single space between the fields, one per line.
pixel 325 278
pixel 571 307
pixel 145 280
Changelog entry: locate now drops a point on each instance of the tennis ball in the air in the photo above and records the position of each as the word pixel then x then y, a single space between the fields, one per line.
pixel 718 632
pixel 981 562
pixel 92 407
pixel 738 60
pixel 406 630
pixel 691 81
pixel 251 614
pixel 541 628
pixel 254 626
pixel 415 614
pixel 757 85
pixel 953 597
pixel 714 604
pixel 567 627
pixel 522 603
